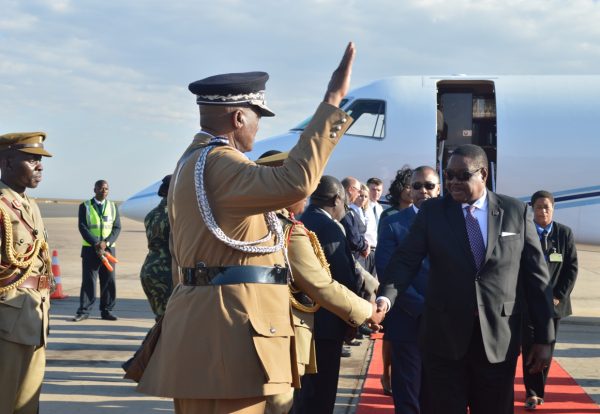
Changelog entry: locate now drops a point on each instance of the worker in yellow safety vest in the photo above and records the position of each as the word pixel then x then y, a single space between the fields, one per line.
pixel 99 225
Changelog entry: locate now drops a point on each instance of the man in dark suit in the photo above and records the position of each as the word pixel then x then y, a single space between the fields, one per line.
pixel 560 253
pixel 402 323
pixel 486 265
pixel 353 225
pixel 327 205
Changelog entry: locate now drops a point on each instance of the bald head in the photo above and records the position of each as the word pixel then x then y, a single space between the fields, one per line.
pixel 352 187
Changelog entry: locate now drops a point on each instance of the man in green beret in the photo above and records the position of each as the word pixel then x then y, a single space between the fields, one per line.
pixel 25 274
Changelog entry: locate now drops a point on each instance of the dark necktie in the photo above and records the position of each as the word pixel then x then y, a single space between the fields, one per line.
pixel 544 240
pixel 475 237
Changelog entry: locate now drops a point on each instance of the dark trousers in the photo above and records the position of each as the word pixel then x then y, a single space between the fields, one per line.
pixel 318 392
pixel 92 269
pixel 472 381
pixel 535 384
pixel 406 377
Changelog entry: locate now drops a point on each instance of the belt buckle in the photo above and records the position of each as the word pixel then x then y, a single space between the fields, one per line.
pixel 201 274
pixel 42 282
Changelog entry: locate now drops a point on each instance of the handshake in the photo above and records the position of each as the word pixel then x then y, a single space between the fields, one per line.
pixel 377 315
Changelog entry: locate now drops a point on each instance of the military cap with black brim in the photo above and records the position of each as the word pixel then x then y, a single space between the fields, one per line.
pixel 233 89
pixel 29 142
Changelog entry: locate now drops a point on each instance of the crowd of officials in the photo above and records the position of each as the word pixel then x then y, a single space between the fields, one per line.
pixel 283 265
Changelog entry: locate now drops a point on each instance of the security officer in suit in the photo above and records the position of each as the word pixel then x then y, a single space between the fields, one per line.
pixel 25 274
pixel 312 287
pixel 403 320
pixel 558 245
pixel 227 242
pixel 99 225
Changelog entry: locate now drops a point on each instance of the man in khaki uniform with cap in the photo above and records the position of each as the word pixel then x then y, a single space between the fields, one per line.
pixel 25 274
pixel 227 242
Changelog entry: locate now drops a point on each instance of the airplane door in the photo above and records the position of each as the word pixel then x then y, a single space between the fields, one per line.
pixel 467 115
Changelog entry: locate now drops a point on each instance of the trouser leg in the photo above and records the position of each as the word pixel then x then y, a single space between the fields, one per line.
pixel 535 384
pixel 89 275
pixel 318 392
pixel 21 374
pixel 108 290
pixel 445 390
pixel 491 385
pixel 406 377
pixel 253 405
pixel 280 403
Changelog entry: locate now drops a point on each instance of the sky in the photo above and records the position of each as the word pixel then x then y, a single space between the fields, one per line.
pixel 107 80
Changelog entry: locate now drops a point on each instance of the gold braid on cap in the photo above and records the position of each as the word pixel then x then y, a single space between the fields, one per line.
pixel 318 249
pixel 14 262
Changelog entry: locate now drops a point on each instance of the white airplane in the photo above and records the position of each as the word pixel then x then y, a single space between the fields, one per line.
pixel 539 132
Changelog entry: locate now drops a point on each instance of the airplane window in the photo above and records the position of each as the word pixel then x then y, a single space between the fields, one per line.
pixel 369 118
pixel 303 124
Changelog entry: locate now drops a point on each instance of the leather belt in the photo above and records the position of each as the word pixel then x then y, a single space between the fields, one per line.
pixel 202 275
pixel 36 282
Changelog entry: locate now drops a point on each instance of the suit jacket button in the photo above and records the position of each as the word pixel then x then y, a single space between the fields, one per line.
pixel 333 135
pixel 272 330
pixel 343 120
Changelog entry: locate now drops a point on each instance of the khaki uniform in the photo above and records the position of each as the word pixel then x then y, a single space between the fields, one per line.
pixel 234 341
pixel 23 312
pixel 311 277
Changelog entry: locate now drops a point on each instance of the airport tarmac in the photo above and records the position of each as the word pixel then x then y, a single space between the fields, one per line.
pixel 83 372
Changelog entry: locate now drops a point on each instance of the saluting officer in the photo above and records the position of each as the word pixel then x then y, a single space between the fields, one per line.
pixel 228 243
pixel 25 274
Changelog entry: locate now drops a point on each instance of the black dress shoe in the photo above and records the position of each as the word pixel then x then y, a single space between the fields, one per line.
pixel 80 317
pixel 365 330
pixel 107 316
pixel 346 353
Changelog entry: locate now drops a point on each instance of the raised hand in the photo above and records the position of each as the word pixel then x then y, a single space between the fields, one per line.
pixel 340 79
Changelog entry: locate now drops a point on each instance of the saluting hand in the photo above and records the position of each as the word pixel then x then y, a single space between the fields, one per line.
pixel 340 79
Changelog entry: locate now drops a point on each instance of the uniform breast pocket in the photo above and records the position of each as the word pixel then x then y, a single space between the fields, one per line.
pixel 10 309
pixel 271 337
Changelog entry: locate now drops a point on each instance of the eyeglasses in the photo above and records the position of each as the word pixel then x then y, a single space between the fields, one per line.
pixel 427 184
pixel 464 175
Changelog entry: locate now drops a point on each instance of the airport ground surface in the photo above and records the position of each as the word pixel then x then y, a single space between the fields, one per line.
pixel 83 372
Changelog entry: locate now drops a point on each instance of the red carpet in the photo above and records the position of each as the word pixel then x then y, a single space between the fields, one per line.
pixel 563 395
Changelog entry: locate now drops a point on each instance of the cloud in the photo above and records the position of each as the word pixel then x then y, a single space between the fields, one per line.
pixel 119 70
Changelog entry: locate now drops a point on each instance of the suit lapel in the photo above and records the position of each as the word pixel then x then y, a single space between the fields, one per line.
pixel 494 214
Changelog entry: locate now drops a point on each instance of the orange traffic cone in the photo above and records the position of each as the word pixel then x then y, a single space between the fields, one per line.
pixel 58 293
